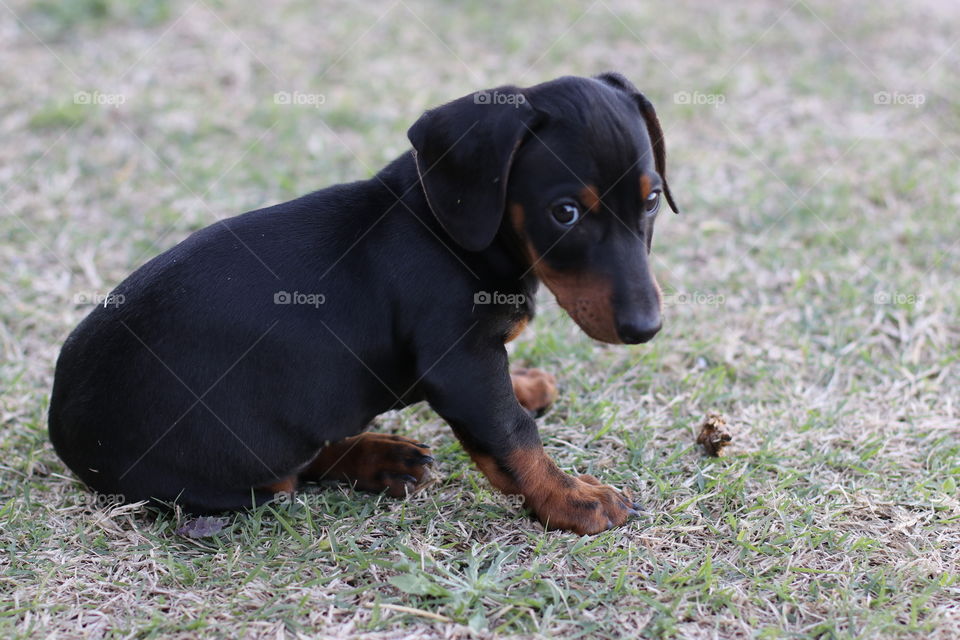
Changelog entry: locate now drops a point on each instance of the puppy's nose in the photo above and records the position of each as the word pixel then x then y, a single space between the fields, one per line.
pixel 638 330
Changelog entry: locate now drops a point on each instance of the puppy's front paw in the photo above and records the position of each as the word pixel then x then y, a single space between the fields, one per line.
pixel 585 506
pixel 535 389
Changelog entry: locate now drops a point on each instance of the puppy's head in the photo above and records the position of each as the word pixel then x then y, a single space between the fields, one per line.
pixel 574 170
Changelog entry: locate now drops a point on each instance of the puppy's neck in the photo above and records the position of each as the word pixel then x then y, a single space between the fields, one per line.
pixel 503 260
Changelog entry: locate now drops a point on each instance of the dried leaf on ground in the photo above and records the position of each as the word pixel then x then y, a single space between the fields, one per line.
pixel 714 436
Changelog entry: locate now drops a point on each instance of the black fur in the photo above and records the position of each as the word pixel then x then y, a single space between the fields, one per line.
pixel 200 387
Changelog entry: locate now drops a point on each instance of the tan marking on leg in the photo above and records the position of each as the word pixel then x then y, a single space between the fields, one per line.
pixel 559 500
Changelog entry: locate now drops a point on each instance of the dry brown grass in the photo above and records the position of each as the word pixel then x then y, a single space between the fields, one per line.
pixel 812 299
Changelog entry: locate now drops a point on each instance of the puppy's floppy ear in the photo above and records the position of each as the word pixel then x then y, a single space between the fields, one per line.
pixel 653 127
pixel 464 150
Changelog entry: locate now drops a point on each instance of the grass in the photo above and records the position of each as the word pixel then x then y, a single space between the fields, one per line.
pixel 813 301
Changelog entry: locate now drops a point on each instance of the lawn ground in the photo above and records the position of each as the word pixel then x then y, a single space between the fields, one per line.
pixel 811 297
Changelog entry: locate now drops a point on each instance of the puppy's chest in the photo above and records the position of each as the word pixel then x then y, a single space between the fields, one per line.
pixel 515 327
pixel 515 319
pixel 515 313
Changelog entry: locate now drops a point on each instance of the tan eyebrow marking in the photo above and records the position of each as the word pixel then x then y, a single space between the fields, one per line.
pixel 644 187
pixel 590 198
pixel 517 215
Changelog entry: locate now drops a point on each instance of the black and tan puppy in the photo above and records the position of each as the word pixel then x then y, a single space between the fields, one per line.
pixel 252 355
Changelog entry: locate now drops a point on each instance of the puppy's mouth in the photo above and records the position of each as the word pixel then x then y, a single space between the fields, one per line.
pixel 588 301
pixel 587 298
pixel 592 319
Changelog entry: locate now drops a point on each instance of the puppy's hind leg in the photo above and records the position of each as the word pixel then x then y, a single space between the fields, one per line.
pixel 373 462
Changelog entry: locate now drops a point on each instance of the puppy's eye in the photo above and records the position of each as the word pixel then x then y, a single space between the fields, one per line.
pixel 566 212
pixel 653 203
